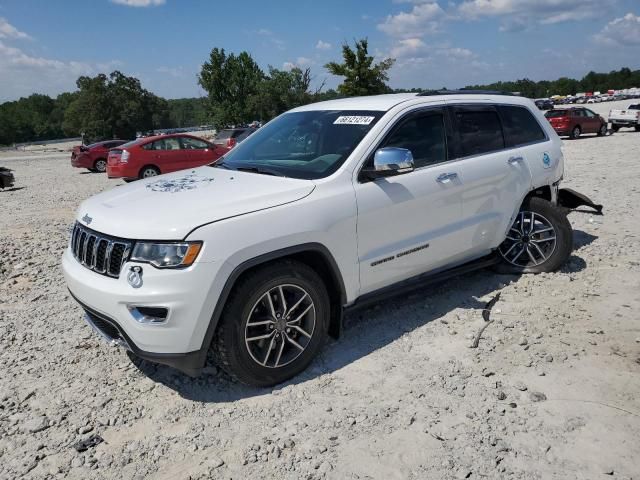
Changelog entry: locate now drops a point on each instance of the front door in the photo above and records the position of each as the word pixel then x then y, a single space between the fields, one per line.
pixel 197 152
pixel 409 224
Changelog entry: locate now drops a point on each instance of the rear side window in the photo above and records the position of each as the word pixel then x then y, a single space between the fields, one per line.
pixel 519 126
pixel 479 129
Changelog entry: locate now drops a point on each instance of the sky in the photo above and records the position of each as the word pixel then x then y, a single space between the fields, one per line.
pixel 45 45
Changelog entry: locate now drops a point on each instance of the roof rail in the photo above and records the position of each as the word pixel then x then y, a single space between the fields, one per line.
pixel 463 91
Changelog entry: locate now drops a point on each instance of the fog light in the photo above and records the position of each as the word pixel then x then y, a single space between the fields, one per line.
pixel 149 315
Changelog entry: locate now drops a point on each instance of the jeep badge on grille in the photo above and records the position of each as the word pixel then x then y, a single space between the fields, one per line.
pixel 87 219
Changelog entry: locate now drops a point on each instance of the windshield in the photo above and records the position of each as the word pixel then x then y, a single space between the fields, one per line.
pixel 556 113
pixel 132 143
pixel 634 107
pixel 307 145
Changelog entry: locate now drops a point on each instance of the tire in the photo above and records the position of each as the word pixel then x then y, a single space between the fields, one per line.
pixel 545 253
pixel 273 359
pixel 100 165
pixel 603 130
pixel 637 128
pixel 575 133
pixel 148 171
pixel 615 128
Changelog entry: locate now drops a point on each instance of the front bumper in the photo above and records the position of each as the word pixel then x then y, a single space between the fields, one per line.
pixel 81 161
pixel 187 294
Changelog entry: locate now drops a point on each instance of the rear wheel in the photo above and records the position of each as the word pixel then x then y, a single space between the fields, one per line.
pixel 540 239
pixel 603 130
pixel 575 133
pixel 100 165
pixel 273 325
pixel 149 171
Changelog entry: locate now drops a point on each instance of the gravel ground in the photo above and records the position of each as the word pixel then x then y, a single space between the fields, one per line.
pixel 552 391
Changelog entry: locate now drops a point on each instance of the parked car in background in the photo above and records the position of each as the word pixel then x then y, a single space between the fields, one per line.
pixel 94 156
pixel 150 156
pixel 575 121
pixel 544 103
pixel 230 137
pixel 625 118
pixel 6 177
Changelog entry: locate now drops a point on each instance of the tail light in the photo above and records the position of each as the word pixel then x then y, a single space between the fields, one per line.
pixel 231 142
pixel 124 158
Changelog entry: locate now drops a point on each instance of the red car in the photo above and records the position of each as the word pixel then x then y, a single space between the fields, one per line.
pixel 573 122
pixel 94 156
pixel 150 156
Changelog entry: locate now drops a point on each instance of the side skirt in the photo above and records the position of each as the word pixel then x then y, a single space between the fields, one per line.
pixel 420 281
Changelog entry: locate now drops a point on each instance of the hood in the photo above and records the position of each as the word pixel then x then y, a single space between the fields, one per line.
pixel 168 207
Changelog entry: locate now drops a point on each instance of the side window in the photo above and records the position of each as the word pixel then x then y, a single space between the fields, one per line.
pixel 589 113
pixel 157 145
pixel 479 129
pixel 520 127
pixel 171 143
pixel 189 143
pixel 424 135
pixel 578 113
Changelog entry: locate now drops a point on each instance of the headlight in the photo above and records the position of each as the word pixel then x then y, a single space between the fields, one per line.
pixel 166 255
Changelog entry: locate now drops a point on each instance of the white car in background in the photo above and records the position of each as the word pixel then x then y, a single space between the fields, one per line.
pixel 327 207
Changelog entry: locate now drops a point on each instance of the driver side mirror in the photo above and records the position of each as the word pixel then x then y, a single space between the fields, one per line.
pixel 390 161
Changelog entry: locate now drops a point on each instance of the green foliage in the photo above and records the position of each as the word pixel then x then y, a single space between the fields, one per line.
pixel 361 75
pixel 281 91
pixel 230 81
pixel 187 112
pixel 113 107
pixel 591 82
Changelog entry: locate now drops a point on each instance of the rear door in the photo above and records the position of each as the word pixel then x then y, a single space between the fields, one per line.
pixel 495 175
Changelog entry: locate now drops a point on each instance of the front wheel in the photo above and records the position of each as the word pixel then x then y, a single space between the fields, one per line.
pixel 273 325
pixel 540 239
pixel 603 130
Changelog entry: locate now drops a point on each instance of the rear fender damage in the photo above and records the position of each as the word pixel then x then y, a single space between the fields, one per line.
pixel 571 199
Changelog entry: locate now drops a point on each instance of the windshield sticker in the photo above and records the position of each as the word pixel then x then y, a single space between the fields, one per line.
pixel 354 120
pixel 181 184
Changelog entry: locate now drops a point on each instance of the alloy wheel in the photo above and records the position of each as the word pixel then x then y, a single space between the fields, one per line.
pixel 101 165
pixel 280 326
pixel 530 242
pixel 149 172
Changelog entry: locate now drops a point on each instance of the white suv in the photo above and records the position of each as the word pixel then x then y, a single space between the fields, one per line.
pixel 328 206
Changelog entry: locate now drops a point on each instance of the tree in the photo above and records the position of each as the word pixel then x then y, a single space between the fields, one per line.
pixel 230 81
pixel 362 76
pixel 113 106
pixel 281 91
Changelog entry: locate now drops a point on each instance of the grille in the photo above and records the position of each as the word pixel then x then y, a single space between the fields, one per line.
pixel 101 253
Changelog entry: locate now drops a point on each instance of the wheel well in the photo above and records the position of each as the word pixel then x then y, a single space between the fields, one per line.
pixel 323 267
pixel 541 192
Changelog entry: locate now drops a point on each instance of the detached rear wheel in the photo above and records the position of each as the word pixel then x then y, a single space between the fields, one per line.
pixel 273 325
pixel 540 239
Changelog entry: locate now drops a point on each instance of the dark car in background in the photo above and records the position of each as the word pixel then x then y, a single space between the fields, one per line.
pixel 575 121
pixel 544 104
pixel 230 137
pixel 150 156
pixel 94 156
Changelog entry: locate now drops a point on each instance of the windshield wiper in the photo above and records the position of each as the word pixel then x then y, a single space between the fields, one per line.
pixel 260 170
pixel 221 164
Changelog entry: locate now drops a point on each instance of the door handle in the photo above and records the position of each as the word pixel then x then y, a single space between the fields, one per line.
pixel 514 160
pixel 446 177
